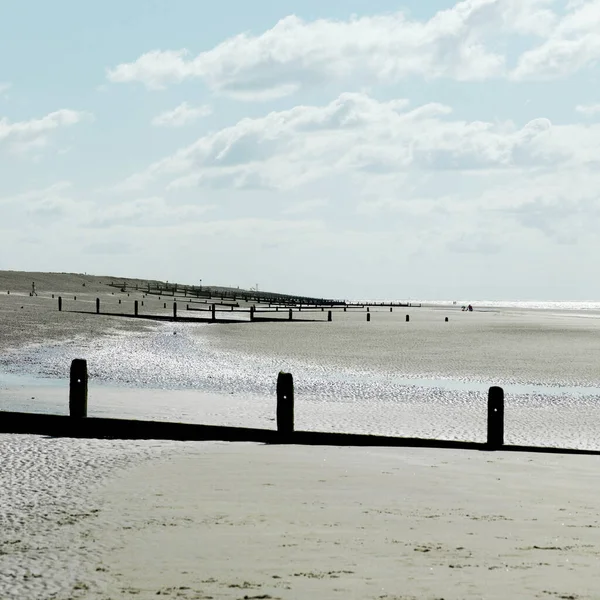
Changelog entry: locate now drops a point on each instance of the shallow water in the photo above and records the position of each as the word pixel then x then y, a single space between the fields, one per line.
pixel 227 375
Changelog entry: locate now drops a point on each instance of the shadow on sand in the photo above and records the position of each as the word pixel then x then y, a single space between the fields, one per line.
pixel 127 429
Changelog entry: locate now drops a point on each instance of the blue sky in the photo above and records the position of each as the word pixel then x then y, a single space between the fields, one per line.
pixel 435 150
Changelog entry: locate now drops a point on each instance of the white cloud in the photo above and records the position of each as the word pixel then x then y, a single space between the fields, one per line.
pixel 356 134
pixel 269 94
pixel 59 204
pixel 466 42
pixel 573 44
pixel 146 212
pixel 29 146
pixel 31 135
pixel 55 190
pixel 382 48
pixel 155 69
pixel 4 87
pixel 43 206
pixel 305 206
pixel 181 115
pixel 589 110
pixel 419 173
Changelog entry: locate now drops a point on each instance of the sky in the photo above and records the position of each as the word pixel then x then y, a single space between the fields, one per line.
pixel 340 148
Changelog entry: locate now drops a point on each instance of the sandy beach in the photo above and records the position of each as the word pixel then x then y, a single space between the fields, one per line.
pixel 116 519
pixel 291 522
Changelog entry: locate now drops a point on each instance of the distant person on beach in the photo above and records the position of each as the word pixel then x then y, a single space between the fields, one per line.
pixel 33 292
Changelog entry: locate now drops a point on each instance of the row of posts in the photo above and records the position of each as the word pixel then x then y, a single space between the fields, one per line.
pixel 285 411
pixel 213 311
pixel 78 401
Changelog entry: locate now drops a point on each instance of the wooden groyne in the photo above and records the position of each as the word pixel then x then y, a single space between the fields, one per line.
pixel 131 429
pixel 188 291
pixel 78 425
pixel 214 294
pixel 216 312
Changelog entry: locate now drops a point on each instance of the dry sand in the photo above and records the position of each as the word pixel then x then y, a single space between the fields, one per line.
pixel 245 521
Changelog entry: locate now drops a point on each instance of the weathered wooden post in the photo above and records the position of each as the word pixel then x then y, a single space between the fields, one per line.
pixel 345 308
pixel 165 305
pixel 252 309
pixel 495 422
pixel 97 306
pixel 329 315
pixel 367 309
pixel 290 316
pixel 175 311
pixel 213 312
pixel 407 318
pixel 391 309
pixel 78 388
pixel 59 303
pixel 285 404
pixel 135 308
pixel 368 317
pixel 446 320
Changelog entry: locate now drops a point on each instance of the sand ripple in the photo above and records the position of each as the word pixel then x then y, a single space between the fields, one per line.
pixel 47 502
